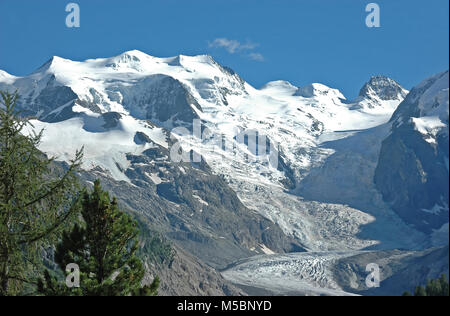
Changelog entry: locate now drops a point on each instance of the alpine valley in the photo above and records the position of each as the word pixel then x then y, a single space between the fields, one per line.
pixel 356 181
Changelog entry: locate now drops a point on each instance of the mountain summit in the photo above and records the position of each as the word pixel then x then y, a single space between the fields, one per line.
pixel 172 92
pixel 383 88
pixel 380 90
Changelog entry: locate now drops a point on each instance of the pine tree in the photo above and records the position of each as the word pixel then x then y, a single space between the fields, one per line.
pixel 35 202
pixel 433 288
pixel 437 287
pixel 420 291
pixel 444 285
pixel 104 248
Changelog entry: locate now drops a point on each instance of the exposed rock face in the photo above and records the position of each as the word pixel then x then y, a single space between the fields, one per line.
pixel 111 119
pixel 400 271
pixel 51 103
pixel 187 276
pixel 412 172
pixel 142 138
pixel 161 99
pixel 195 209
pixel 379 92
pixel 384 88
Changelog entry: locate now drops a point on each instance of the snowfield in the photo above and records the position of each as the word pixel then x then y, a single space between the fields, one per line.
pixel 104 148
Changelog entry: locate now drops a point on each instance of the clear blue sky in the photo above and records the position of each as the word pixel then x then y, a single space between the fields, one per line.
pixel 301 41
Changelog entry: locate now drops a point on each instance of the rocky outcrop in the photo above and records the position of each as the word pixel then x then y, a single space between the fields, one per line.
pixel 194 208
pixel 383 88
pixel 400 271
pixel 160 99
pixel 187 276
pixel 412 171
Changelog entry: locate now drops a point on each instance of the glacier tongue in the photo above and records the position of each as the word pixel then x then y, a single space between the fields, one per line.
pixel 290 274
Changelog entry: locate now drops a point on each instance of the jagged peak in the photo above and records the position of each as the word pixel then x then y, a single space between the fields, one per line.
pixel 383 88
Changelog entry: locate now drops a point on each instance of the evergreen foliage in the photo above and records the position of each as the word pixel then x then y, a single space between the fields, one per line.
pixel 35 205
pixel 437 287
pixel 154 247
pixel 104 247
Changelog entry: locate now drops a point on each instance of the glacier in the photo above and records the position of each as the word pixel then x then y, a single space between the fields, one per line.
pixel 322 194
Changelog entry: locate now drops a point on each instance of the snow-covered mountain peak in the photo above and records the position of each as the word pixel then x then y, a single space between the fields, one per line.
pixel 4 74
pixel 173 91
pixel 383 88
pixel 279 87
pixel 206 59
pixel 380 94
pixel 136 53
pixel 129 61
pixel 319 90
pixel 6 77
pixel 131 56
pixel 54 65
